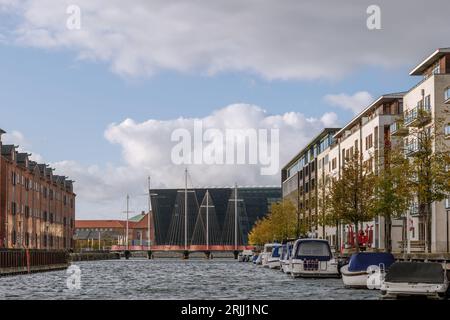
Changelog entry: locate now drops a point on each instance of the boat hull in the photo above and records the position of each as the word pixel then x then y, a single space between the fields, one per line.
pixel 274 264
pixel 354 279
pixel 327 269
pixel 391 290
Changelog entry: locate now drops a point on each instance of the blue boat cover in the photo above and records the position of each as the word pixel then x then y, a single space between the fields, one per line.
pixel 361 261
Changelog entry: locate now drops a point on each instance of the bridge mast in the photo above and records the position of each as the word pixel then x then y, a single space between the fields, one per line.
pixel 207 220
pixel 235 217
pixel 128 211
pixel 185 211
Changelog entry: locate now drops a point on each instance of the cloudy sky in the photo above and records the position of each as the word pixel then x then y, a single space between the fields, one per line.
pixel 100 103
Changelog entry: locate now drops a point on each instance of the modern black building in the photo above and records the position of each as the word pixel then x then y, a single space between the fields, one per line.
pixel 169 213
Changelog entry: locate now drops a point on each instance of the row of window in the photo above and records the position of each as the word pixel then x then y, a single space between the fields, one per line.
pixel 47 240
pixel 46 217
pixel 46 192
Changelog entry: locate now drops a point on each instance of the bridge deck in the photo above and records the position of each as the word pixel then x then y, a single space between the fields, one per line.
pixel 182 248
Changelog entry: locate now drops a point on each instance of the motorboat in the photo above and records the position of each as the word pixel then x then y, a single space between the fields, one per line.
pixel 428 279
pixel 285 259
pixel 265 254
pixel 366 270
pixel 274 258
pixel 245 256
pixel 313 258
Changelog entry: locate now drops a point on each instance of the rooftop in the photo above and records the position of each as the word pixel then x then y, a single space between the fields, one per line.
pixel 428 62
pixel 384 98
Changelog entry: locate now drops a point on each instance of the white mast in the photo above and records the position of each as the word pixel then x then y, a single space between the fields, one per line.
pixel 128 211
pixel 207 219
pixel 149 214
pixel 185 211
pixel 235 218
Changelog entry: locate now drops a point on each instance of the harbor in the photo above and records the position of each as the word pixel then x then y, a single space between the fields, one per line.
pixel 175 279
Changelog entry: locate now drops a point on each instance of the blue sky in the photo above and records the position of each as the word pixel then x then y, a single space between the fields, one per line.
pixel 67 95
pixel 63 106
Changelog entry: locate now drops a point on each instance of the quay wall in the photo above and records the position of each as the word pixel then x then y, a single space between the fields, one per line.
pixel 24 261
pixel 94 256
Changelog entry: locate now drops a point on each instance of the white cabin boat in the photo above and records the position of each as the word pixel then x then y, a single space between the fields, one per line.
pixel 274 258
pixel 313 258
pixel 428 279
pixel 285 259
pixel 265 254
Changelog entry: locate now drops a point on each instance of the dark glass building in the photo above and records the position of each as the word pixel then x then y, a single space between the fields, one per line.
pixel 169 214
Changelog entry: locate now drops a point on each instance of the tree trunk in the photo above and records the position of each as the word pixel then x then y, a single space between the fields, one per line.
pixel 338 242
pixel 356 236
pixel 388 233
pixel 428 227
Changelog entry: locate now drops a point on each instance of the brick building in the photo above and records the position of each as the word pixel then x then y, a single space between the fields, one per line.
pixel 102 234
pixel 37 207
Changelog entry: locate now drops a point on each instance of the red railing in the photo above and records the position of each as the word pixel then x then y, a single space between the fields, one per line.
pixel 182 248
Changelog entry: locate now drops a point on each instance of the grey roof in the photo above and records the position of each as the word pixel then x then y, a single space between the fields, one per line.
pixel 7 149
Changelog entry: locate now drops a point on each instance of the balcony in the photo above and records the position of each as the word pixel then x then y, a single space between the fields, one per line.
pixel 414 209
pixel 412 148
pixel 417 117
pixel 397 129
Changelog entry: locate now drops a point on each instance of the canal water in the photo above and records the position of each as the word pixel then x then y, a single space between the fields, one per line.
pixel 175 279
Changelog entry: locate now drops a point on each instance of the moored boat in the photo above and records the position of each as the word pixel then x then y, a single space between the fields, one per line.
pixel 313 258
pixel 265 254
pixel 286 253
pixel 274 258
pixel 366 270
pixel 429 279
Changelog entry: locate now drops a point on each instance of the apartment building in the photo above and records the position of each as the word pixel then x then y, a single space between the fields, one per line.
pixel 37 206
pixel 426 107
pixel 300 179
pixel 388 120
pixel 367 134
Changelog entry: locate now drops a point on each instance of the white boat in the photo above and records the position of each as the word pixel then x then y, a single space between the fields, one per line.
pixel 265 254
pixel 245 256
pixel 428 279
pixel 366 270
pixel 285 259
pixel 313 258
pixel 274 258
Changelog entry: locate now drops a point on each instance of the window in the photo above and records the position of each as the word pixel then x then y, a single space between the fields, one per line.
pixel 27 211
pixel 427 103
pixel 14 237
pixel 447 129
pixel 436 68
pixel 51 217
pixel 369 141
pixel 45 216
pixel 333 164
pixel 13 178
pixel 65 221
pixel 13 208
pixel 447 94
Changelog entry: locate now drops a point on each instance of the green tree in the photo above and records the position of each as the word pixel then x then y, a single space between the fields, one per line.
pixel 393 192
pixel 429 163
pixel 352 194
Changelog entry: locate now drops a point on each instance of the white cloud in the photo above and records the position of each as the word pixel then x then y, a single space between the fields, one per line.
pixel 355 103
pixel 146 149
pixel 295 40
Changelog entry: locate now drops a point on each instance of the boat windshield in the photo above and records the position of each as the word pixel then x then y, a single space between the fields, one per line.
pixel 313 249
pixel 276 252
